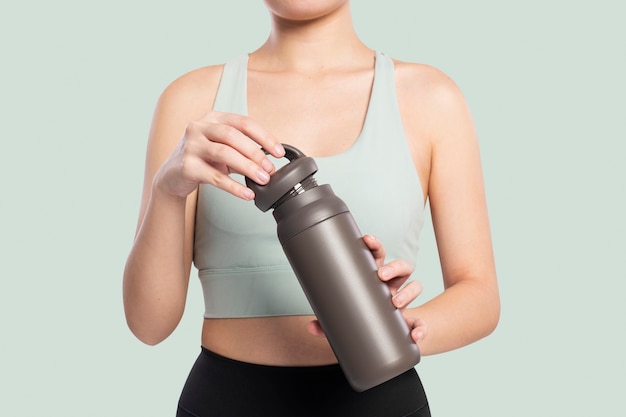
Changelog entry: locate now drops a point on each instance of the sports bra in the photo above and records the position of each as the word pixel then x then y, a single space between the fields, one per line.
pixel 241 265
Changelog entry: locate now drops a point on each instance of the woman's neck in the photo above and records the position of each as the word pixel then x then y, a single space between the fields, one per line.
pixel 310 46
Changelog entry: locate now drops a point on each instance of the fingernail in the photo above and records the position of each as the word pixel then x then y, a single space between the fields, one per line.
pixel 398 299
pixel 247 194
pixel 263 176
pixel 279 150
pixel 419 336
pixel 385 272
pixel 267 165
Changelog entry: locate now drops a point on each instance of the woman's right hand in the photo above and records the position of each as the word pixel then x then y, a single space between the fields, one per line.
pixel 215 146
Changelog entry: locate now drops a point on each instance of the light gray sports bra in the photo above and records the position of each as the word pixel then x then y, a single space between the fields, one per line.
pixel 242 268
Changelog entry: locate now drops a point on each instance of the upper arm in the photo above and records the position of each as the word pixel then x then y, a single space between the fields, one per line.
pixel 443 132
pixel 457 195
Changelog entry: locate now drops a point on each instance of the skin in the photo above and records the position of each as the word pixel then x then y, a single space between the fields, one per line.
pixel 311 65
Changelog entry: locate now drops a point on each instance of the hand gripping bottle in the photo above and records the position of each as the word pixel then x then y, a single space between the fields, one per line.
pixel 338 274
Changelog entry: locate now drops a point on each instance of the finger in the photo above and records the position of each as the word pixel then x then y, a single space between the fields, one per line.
pixel 395 269
pixel 419 333
pixel 213 176
pixel 419 329
pixel 256 132
pixel 233 187
pixel 231 147
pixel 221 155
pixel 407 294
pixel 315 329
pixel 376 247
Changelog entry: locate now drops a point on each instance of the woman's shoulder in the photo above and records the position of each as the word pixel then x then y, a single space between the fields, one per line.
pixel 430 96
pixel 426 82
pixel 193 90
pixel 430 102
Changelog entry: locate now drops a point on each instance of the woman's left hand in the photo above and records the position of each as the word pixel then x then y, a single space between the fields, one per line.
pixel 394 274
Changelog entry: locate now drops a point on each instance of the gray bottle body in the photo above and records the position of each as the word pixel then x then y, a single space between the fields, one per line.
pixel 338 274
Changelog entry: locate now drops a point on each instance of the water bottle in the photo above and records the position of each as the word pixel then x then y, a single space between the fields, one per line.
pixel 338 274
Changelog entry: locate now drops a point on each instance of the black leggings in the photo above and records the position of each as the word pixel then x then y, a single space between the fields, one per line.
pixel 219 386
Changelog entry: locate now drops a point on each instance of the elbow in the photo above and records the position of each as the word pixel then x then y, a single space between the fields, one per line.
pixel 151 326
pixel 493 320
pixel 484 308
pixel 491 314
pixel 147 334
pixel 149 317
pixel 150 340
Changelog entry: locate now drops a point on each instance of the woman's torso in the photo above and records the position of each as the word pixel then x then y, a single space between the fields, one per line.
pixel 320 125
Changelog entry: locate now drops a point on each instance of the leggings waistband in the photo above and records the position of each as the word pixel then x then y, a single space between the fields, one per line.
pixel 220 386
pixel 253 367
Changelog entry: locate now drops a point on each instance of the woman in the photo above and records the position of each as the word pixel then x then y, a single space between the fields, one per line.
pixel 402 128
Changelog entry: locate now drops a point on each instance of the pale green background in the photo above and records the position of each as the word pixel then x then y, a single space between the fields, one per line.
pixel 545 81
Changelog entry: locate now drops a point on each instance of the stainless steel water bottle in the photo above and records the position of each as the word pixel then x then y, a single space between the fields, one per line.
pixel 338 274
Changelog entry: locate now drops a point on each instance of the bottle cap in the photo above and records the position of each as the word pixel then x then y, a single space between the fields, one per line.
pixel 283 180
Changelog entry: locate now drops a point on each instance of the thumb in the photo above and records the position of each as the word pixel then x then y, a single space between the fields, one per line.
pixel 315 329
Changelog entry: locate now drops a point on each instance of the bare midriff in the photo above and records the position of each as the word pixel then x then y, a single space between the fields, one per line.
pixel 278 341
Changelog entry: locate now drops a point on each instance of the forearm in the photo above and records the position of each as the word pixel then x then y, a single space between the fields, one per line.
pixel 156 274
pixel 464 313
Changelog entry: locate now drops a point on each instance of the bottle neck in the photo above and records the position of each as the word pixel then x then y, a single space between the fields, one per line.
pixel 305 185
pixel 307 209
